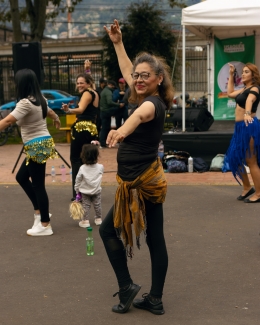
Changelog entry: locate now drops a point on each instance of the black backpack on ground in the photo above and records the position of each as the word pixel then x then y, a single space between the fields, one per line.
pixel 200 165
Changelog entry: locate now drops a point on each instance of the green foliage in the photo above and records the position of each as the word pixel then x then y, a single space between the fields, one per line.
pixel 35 13
pixel 176 3
pixel 144 30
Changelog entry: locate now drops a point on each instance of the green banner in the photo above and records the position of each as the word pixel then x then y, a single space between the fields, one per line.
pixel 236 51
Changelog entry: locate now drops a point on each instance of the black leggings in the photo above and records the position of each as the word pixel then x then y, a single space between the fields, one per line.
pixel 81 138
pixel 35 189
pixel 156 244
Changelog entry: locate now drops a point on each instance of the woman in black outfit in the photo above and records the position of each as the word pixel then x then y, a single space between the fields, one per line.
pixel 142 185
pixel 84 130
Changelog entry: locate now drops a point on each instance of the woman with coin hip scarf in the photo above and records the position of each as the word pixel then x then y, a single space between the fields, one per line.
pixel 84 130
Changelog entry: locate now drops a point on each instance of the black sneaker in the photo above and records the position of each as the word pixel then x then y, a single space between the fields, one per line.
pixel 126 297
pixel 145 303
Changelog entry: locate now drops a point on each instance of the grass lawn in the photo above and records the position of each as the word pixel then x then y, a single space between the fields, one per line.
pixel 58 136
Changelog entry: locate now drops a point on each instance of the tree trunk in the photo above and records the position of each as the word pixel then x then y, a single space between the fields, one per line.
pixel 37 16
pixel 15 15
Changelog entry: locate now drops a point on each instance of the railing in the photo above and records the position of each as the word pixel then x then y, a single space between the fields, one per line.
pixel 61 69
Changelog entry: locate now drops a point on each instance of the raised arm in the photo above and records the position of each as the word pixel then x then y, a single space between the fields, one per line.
pixel 125 64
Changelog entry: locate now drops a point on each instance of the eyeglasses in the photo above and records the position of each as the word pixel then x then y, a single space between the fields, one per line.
pixel 143 75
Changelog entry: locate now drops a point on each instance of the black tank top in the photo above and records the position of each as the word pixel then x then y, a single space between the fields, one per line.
pixel 140 149
pixel 90 112
pixel 242 97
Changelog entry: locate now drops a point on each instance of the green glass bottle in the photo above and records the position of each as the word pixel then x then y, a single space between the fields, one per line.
pixel 89 242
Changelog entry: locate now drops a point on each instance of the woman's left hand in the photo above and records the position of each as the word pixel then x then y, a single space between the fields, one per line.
pixel 114 136
pixel 114 32
pixel 248 119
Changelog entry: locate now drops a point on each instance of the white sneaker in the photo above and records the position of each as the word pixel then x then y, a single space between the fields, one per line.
pixel 98 221
pixel 37 219
pixel 84 223
pixel 40 230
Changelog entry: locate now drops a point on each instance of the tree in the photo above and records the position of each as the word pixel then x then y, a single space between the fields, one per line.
pixel 34 12
pixel 176 3
pixel 144 30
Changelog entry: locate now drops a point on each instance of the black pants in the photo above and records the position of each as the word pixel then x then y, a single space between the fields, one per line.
pixel 35 189
pixel 156 244
pixel 98 121
pixel 81 138
pixel 121 114
pixel 105 127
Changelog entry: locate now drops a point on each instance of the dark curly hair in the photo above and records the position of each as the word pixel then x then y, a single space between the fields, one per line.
pixel 89 154
pixel 89 80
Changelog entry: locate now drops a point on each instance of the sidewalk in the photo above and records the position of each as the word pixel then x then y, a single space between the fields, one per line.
pixel 10 153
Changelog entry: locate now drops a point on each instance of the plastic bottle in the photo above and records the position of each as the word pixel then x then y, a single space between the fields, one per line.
pixel 161 150
pixel 89 242
pixel 71 175
pixel 63 173
pixel 53 174
pixel 190 165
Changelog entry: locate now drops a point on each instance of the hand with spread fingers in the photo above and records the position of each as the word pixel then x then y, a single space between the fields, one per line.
pixel 114 136
pixel 114 32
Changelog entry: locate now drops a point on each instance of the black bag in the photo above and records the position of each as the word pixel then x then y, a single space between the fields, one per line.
pixel 200 165
pixel 176 166
pixel 181 156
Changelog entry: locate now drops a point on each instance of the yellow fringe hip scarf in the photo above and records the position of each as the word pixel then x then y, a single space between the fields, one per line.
pixel 40 150
pixel 84 126
pixel 129 202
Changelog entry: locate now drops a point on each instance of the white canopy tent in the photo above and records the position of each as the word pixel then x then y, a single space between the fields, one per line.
pixel 223 19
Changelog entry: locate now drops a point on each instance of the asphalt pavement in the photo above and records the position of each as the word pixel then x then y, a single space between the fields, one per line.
pixel 213 277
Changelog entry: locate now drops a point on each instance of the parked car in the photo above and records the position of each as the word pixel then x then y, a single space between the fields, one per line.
pixel 55 99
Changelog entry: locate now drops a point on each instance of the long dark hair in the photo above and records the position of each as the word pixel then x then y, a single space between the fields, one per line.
pixel 26 85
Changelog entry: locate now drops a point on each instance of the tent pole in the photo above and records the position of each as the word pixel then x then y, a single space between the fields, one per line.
pixel 183 76
pixel 176 53
pixel 208 63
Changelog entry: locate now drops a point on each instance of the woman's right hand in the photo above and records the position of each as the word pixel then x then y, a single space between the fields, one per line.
pixel 231 68
pixel 65 107
pixel 114 32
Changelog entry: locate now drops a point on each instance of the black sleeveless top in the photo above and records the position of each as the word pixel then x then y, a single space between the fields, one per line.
pixel 140 149
pixel 90 112
pixel 242 97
